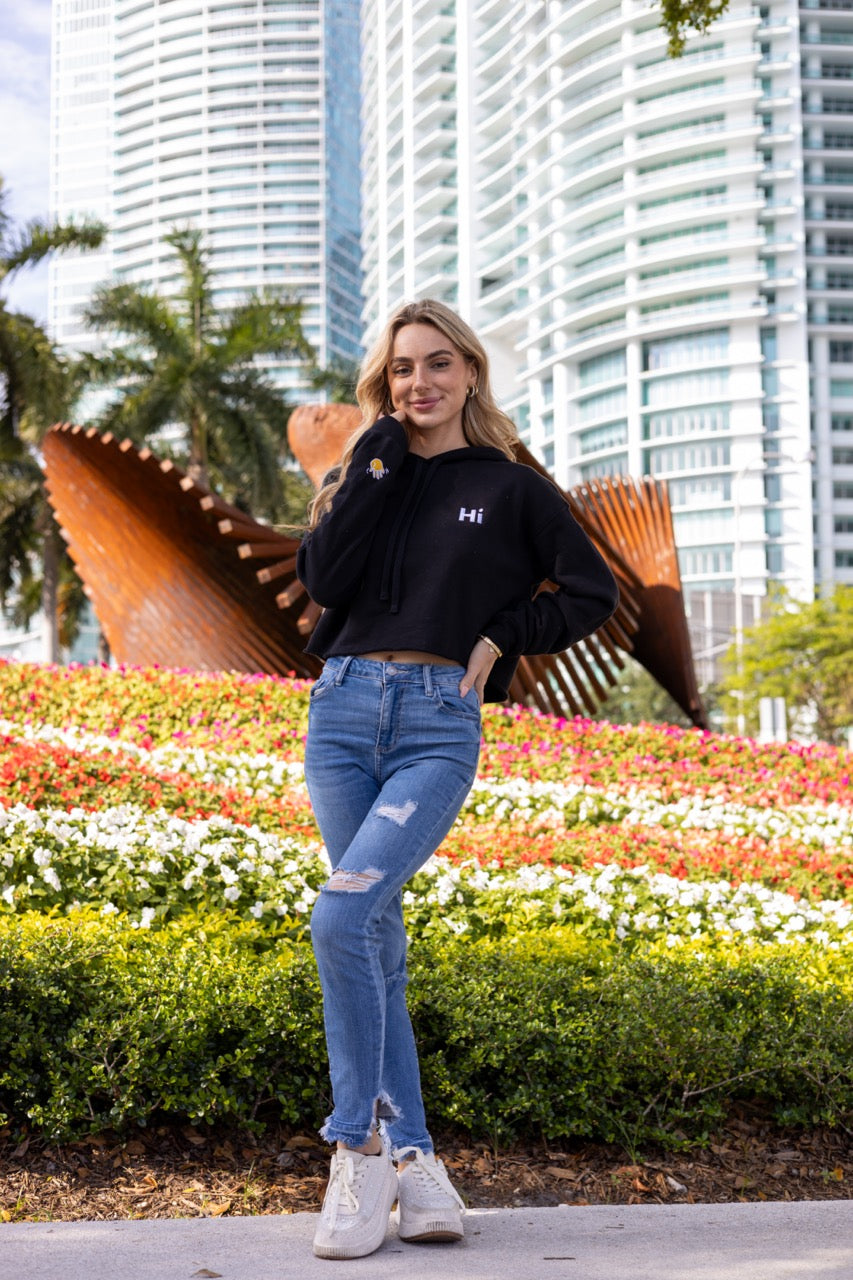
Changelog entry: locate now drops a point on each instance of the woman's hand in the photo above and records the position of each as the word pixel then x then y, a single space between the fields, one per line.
pixel 400 415
pixel 480 663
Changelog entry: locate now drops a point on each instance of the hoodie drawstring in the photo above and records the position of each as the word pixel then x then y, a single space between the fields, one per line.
pixel 392 570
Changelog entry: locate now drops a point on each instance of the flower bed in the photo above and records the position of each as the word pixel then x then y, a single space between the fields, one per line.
pixel 169 791
pixel 660 892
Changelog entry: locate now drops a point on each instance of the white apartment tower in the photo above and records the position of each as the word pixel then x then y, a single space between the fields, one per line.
pixel 654 249
pixel 239 117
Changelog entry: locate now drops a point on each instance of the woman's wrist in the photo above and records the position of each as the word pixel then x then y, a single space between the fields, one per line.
pixel 496 650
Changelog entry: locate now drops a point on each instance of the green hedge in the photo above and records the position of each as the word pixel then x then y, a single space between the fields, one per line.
pixel 105 1026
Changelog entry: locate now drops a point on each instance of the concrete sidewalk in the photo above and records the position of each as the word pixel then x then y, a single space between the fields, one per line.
pixel 801 1241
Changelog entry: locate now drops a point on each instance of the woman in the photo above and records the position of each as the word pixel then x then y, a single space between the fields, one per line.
pixel 425 549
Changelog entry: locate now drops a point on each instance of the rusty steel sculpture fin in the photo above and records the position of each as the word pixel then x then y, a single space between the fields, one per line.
pixel 179 577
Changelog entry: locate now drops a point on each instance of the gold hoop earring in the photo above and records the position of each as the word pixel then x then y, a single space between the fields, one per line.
pixel 472 391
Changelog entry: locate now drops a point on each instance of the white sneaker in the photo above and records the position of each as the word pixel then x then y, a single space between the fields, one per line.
pixel 428 1207
pixel 358 1200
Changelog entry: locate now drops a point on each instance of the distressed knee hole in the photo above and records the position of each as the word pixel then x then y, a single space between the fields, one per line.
pixel 342 881
pixel 398 813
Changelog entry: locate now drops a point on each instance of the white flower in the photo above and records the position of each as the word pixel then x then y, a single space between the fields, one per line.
pixel 50 877
pixel 232 893
pixel 256 909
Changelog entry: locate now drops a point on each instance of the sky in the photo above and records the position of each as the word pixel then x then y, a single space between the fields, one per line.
pixel 24 130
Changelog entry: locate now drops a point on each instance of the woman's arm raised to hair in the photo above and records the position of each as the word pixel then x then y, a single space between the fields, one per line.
pixel 331 557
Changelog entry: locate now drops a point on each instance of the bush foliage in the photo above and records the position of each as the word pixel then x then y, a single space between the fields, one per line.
pixel 104 1026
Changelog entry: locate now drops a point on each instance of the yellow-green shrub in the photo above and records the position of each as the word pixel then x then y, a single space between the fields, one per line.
pixel 105 1026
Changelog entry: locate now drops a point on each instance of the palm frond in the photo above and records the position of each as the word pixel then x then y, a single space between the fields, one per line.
pixel 27 245
pixel 243 454
pixel 138 315
pixel 253 393
pixel 140 413
pixel 34 379
pixel 264 326
pixel 197 294
pixel 115 366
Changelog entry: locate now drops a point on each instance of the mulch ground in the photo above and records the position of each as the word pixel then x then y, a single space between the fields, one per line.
pixel 177 1172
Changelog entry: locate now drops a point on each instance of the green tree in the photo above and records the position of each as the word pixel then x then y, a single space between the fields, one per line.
pixel 36 389
pixel 680 17
pixel 639 699
pixel 185 363
pixel 802 653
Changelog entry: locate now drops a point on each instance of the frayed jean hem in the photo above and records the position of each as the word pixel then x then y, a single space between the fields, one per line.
pixel 355 1136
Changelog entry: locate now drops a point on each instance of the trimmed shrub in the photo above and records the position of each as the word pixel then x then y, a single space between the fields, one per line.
pixel 106 1026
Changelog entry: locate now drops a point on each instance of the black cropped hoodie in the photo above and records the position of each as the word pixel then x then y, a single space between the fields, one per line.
pixel 428 553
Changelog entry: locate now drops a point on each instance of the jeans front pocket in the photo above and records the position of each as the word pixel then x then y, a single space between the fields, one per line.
pixel 451 701
pixel 321 686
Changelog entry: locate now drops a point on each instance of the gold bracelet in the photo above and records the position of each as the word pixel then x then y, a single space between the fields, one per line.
pixel 499 653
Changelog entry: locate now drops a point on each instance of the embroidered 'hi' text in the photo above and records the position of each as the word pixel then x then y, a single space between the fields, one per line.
pixel 473 516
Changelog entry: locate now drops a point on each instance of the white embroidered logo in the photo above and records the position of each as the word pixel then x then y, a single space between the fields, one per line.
pixel 473 516
pixel 377 469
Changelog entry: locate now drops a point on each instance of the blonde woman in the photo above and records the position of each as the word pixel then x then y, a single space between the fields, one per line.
pixel 426 550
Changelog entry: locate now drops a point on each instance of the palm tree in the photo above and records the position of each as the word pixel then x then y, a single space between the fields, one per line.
pixel 185 363
pixel 338 381
pixel 36 388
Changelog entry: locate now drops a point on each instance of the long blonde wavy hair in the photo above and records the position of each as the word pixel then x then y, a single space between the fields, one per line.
pixel 483 423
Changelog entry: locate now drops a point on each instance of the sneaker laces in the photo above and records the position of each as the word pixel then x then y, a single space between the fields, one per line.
pixel 429 1175
pixel 341 1194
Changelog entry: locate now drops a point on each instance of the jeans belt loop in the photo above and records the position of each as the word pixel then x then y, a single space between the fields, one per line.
pixel 339 678
pixel 427 670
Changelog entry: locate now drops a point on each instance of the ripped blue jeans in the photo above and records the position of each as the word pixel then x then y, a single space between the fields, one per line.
pixel 391 755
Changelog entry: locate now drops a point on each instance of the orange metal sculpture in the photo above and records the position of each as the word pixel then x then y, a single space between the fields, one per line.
pixel 159 558
pixel 178 577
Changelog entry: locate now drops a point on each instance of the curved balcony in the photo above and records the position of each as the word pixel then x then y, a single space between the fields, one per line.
pixel 682 314
pixel 684 177
pixel 675 249
pixel 433 199
pixel 438 170
pixel 440 80
pixel 438 112
pixel 683 101
pixel 681 284
pixel 434 57
pixel 676 140
pixel 495 33
pixel 435 25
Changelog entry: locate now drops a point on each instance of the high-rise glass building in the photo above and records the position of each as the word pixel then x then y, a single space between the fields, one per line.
pixel 653 248
pixel 240 118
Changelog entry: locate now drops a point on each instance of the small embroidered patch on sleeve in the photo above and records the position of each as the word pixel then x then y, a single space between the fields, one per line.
pixel 377 469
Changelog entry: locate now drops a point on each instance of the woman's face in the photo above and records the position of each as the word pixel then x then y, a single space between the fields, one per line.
pixel 429 379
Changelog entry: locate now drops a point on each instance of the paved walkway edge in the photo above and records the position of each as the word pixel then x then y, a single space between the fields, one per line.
pixel 801 1241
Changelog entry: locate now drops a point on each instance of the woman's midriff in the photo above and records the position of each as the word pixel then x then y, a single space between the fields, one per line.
pixel 408 655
